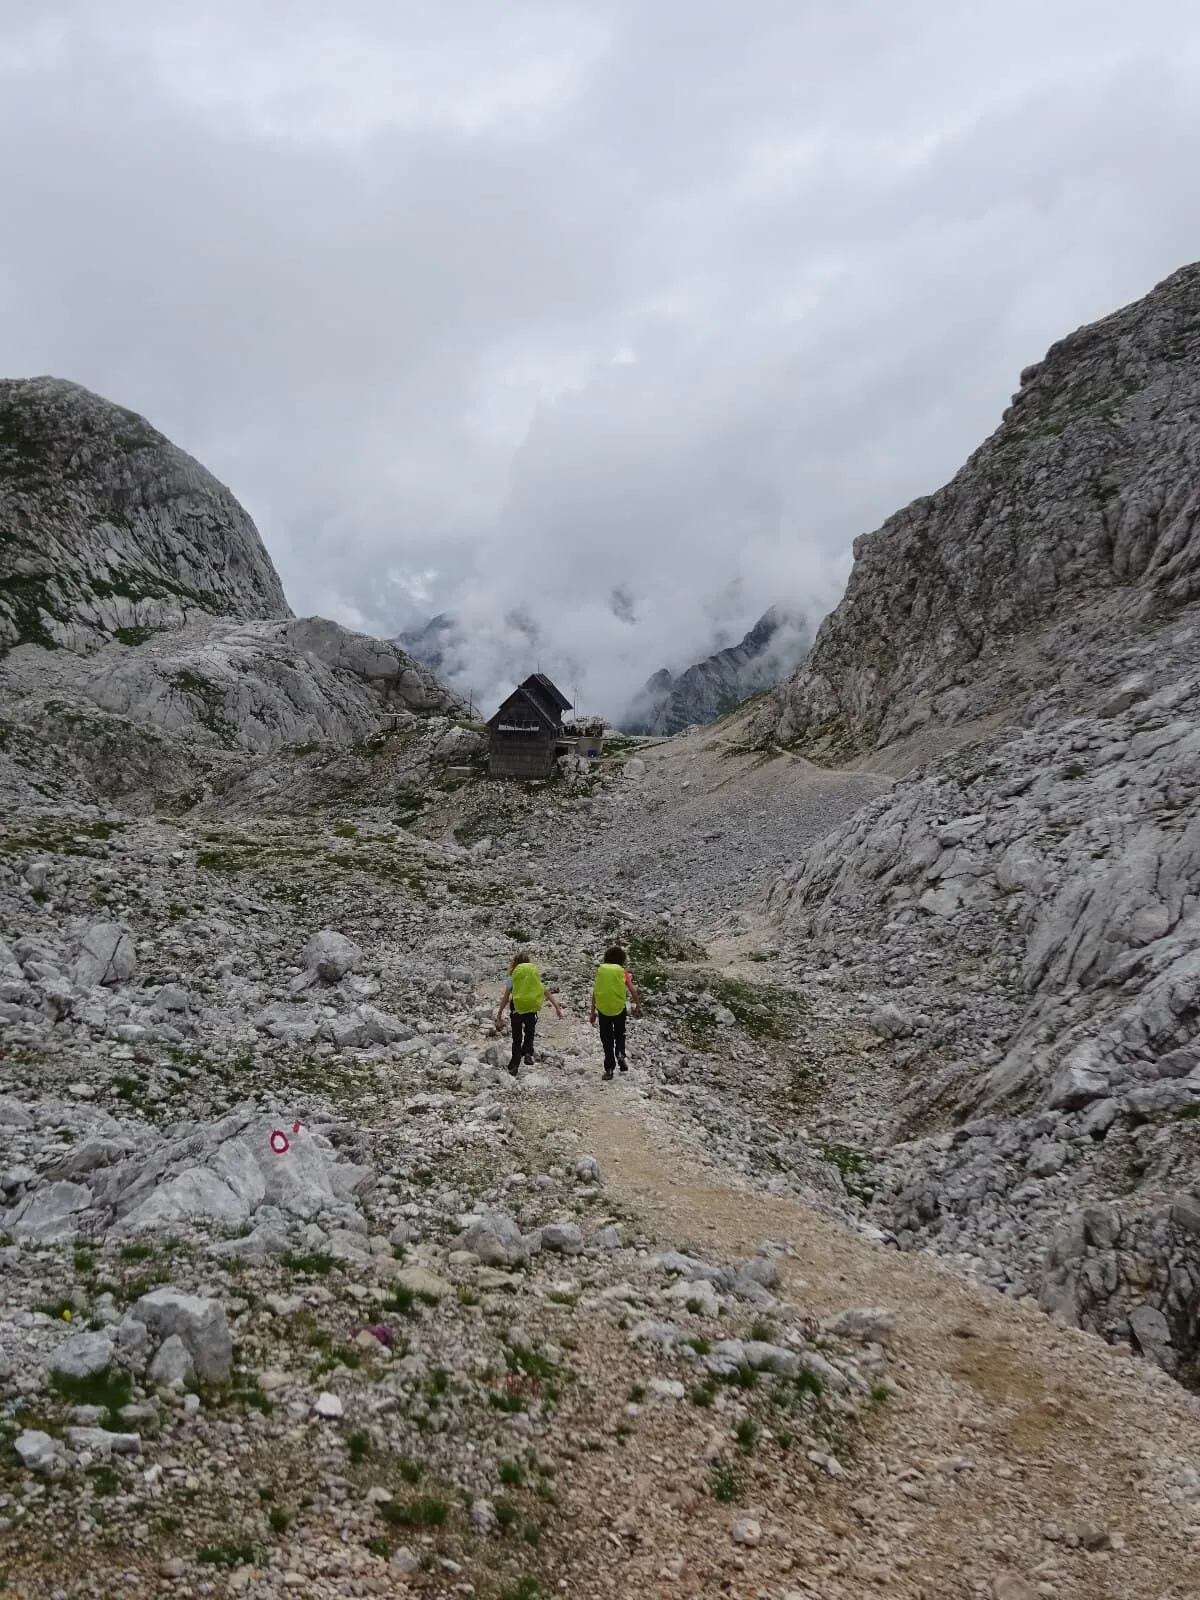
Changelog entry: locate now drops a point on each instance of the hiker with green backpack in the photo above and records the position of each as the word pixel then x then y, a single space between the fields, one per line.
pixel 612 990
pixel 524 993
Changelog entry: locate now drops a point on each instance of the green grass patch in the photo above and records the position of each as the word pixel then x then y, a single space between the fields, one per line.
pixel 853 1165
pixel 522 1589
pixel 422 1511
pixel 108 1389
pixel 746 1434
pixel 313 1265
pixel 225 1555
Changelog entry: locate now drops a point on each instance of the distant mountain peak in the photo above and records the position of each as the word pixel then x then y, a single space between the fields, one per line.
pixel 771 649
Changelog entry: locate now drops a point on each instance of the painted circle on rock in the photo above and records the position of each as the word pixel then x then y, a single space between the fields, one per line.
pixel 279 1142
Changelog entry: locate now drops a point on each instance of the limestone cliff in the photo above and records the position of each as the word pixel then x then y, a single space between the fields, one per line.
pixel 143 628
pixel 1074 527
pixel 107 530
pixel 1024 910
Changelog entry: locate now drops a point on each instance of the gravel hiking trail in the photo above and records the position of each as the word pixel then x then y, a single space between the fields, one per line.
pixel 1016 1459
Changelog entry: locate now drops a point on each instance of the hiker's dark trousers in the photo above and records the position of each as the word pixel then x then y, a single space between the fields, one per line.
pixel 523 1024
pixel 612 1037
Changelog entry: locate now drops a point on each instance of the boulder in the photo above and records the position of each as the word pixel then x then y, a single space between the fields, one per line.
pixel 329 956
pixel 757 1269
pixel 107 956
pixel 871 1324
pixel 1076 1086
pixel 420 1281
pixel 102 1442
pixel 456 746
pixel 83 1356
pixel 1046 1158
pixel 766 1357
pixel 1153 1335
pixel 39 1453
pixel 495 1239
pixel 199 1323
pixel 172 1366
pixel 563 1238
pixel 49 1214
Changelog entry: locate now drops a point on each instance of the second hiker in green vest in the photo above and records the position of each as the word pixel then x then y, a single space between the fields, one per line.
pixel 613 984
pixel 524 994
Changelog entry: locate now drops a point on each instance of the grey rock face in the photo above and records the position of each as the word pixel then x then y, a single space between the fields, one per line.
pixel 329 956
pixel 199 1324
pixel 109 527
pixel 83 1356
pixel 259 685
pixel 1026 900
pixel 563 1238
pixel 1085 494
pixel 107 956
pixel 495 1239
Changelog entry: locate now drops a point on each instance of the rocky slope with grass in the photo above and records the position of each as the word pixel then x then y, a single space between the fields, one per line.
pixel 146 648
pixel 1017 919
pixel 302 1293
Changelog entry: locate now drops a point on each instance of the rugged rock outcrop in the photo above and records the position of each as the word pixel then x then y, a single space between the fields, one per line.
pixel 107 530
pixel 1074 529
pixel 1024 908
pixel 143 629
pixel 710 688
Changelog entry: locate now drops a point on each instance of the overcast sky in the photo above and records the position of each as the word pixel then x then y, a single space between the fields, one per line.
pixel 603 325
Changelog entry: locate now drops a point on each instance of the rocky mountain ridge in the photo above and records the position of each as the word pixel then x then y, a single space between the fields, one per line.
pixel 1020 912
pixel 710 688
pixel 109 531
pixel 1074 529
pixel 144 633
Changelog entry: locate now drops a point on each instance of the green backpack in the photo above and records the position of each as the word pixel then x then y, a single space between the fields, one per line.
pixel 528 990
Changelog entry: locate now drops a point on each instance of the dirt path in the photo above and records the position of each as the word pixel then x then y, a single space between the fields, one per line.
pixel 1013 1447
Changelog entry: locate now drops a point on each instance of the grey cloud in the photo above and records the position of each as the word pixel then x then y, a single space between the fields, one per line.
pixel 510 310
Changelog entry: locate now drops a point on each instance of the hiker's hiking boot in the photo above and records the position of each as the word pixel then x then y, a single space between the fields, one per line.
pixel 621 1063
pixel 513 1068
pixel 529 1059
pixel 608 1074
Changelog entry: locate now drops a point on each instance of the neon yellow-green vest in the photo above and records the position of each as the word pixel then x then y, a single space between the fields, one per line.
pixel 528 990
pixel 610 989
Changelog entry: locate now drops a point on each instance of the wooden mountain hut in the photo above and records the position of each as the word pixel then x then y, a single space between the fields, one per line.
pixel 525 733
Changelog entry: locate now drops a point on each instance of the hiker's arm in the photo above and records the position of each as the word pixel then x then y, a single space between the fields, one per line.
pixel 632 987
pixel 503 1002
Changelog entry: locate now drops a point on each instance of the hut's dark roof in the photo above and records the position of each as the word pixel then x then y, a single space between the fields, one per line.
pixel 522 698
pixel 538 683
